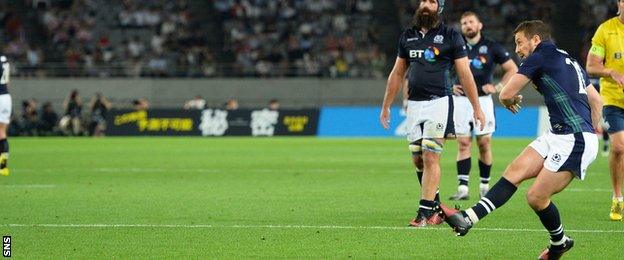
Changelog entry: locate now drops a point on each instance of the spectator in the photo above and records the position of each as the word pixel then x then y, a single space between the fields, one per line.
pixel 71 123
pixel 197 102
pixel 30 118
pixel 140 104
pixel 48 120
pixel 99 107
pixel 273 104
pixel 231 104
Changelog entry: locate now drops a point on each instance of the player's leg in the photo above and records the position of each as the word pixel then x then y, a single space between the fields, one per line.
pixel 463 167
pixel 428 209
pixel 605 143
pixel 538 197
pixel 614 117
pixel 438 123
pixel 484 141
pixel 415 127
pixel 416 150
pixel 432 148
pixel 616 167
pixel 485 162
pixel 569 158
pixel 526 166
pixel 463 129
pixel 5 117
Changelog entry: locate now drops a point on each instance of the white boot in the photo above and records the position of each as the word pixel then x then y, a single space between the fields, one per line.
pixel 462 193
pixel 483 189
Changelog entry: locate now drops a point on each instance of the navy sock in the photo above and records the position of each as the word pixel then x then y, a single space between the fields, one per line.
pixel 419 174
pixel 484 172
pixel 4 146
pixel 4 149
pixel 552 222
pixel 500 193
pixel 427 204
pixel 463 171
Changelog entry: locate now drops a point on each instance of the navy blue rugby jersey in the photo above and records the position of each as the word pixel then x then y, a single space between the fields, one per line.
pixel 483 58
pixel 430 58
pixel 562 82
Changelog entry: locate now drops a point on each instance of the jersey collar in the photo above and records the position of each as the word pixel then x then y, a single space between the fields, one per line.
pixel 545 44
pixel 434 29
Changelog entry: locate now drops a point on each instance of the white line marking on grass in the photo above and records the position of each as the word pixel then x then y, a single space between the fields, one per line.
pixel 29 186
pixel 577 190
pixel 587 190
pixel 292 227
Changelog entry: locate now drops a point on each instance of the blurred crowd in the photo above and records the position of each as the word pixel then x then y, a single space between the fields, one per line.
pixel 305 37
pixel 255 38
pixel 593 13
pixel 97 38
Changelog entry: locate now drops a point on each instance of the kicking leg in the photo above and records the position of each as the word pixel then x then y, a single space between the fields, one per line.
pixel 526 166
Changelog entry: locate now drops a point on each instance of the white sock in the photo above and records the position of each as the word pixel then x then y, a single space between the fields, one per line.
pixel 560 242
pixel 619 199
pixel 472 216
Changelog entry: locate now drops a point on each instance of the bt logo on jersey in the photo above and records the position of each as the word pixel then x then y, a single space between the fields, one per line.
pixel 478 62
pixel 429 54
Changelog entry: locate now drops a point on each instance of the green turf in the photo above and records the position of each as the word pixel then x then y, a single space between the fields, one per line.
pixel 267 198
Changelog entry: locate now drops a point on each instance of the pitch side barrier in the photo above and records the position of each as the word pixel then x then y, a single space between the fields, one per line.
pixel 213 122
pixel 337 121
pixel 364 122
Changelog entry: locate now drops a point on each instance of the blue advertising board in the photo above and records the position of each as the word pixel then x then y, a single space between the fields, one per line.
pixel 363 121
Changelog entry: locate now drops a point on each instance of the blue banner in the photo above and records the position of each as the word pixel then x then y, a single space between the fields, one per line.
pixel 364 122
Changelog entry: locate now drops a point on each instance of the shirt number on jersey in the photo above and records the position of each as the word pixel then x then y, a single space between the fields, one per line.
pixel 5 73
pixel 579 75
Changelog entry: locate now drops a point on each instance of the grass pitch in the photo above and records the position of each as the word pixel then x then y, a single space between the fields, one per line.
pixel 269 198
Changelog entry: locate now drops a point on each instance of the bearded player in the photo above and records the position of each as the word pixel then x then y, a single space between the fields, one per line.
pixel 428 50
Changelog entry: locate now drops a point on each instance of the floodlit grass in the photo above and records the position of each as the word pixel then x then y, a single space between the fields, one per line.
pixel 268 198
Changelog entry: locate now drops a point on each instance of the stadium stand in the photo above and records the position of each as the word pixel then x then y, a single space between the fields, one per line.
pixel 234 38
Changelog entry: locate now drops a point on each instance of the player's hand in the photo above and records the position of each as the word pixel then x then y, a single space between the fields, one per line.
pixel 479 118
pixel 458 90
pixel 384 118
pixel 598 129
pixel 514 105
pixel 618 77
pixel 488 89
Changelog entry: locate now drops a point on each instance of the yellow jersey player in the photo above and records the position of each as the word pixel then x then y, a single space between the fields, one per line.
pixel 606 60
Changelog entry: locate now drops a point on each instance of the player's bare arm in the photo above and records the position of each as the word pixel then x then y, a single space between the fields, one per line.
pixel 509 94
pixel 510 68
pixel 595 66
pixel 462 67
pixel 394 84
pixel 595 103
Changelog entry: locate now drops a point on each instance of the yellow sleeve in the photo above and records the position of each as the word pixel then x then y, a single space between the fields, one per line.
pixel 598 42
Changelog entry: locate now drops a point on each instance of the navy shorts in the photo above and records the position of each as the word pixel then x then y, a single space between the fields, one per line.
pixel 614 118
